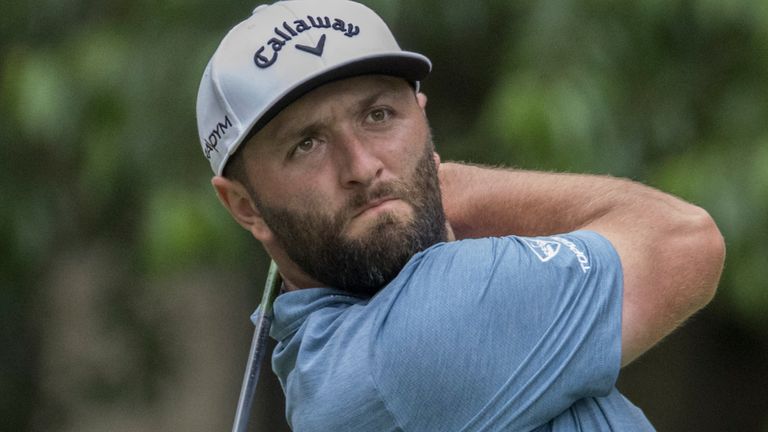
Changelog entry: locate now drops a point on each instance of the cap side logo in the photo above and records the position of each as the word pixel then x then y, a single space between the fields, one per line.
pixel 211 142
pixel 268 53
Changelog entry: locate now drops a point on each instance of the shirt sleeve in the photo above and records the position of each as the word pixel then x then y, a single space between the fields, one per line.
pixel 499 333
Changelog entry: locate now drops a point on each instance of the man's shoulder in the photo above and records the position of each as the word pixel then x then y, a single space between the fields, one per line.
pixel 577 249
pixel 324 365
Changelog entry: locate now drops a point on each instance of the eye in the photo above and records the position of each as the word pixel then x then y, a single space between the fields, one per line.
pixel 306 145
pixel 379 115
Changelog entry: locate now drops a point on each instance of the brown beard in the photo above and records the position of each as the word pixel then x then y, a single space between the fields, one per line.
pixel 364 265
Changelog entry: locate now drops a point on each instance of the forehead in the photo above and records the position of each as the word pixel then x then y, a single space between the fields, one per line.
pixel 335 94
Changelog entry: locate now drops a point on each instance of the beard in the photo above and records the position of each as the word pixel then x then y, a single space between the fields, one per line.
pixel 364 265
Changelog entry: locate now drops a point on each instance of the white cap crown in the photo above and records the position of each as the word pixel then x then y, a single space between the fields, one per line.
pixel 281 52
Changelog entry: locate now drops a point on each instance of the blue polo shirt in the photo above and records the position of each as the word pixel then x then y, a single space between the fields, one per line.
pixel 493 334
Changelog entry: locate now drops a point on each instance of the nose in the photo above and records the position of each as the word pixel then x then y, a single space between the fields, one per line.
pixel 359 164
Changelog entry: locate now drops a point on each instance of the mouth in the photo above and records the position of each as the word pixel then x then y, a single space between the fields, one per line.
pixel 375 205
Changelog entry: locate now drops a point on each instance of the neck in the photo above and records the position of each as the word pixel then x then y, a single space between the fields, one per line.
pixel 294 278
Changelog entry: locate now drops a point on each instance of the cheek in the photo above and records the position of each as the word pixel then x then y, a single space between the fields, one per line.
pixel 301 194
pixel 406 146
pixel 414 149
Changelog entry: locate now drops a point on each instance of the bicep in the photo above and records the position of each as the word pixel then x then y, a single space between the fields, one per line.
pixel 670 271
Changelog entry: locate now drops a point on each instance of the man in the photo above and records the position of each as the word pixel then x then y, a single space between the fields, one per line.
pixel 311 117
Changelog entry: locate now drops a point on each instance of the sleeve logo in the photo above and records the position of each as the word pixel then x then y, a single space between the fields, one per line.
pixel 546 249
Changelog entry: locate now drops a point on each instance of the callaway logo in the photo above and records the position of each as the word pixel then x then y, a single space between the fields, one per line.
pixel 213 138
pixel 545 250
pixel 267 54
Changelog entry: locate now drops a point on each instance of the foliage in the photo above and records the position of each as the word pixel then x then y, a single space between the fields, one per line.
pixel 99 138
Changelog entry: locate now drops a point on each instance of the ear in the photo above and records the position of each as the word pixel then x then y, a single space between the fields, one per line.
pixel 436 158
pixel 421 98
pixel 239 203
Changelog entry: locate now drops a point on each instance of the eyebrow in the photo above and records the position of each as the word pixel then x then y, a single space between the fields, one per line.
pixel 372 98
pixel 286 133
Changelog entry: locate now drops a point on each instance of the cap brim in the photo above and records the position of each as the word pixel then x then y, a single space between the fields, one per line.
pixel 407 65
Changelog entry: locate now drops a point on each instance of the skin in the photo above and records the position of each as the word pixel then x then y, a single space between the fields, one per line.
pixel 333 151
pixel 671 251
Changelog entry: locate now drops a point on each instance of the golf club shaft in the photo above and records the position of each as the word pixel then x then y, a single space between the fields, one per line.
pixel 256 353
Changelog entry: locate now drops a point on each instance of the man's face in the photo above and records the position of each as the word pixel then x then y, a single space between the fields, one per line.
pixel 346 181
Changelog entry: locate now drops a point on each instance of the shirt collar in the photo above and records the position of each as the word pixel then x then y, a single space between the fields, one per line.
pixel 292 308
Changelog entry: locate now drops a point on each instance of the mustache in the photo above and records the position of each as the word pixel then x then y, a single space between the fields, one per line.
pixel 391 189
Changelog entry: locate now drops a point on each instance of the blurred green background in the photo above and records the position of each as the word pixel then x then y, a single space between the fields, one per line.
pixel 126 288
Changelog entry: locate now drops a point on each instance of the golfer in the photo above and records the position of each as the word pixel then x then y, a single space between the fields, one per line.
pixel 422 295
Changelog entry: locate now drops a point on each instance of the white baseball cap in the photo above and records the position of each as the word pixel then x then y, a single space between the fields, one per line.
pixel 281 52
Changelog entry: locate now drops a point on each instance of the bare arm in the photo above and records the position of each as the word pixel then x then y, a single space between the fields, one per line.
pixel 671 251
